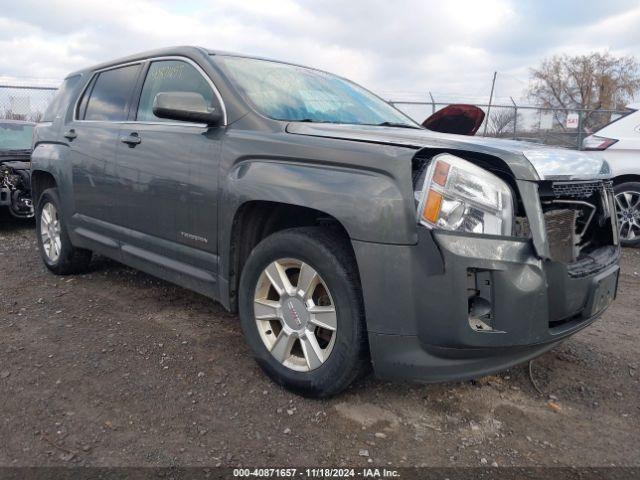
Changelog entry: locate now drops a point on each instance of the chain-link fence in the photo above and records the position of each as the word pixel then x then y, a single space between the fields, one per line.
pixel 551 126
pixel 20 101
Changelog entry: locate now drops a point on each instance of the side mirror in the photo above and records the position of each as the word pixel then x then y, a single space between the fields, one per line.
pixel 186 107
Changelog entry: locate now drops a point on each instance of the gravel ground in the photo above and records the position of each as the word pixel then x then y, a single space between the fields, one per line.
pixel 116 368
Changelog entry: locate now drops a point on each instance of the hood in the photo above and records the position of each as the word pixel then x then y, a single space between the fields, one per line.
pixel 460 119
pixel 528 161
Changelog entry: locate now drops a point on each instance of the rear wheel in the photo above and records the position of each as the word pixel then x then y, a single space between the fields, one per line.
pixel 57 252
pixel 301 311
pixel 628 206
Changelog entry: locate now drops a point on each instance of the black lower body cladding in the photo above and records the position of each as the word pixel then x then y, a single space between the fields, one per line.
pixel 458 306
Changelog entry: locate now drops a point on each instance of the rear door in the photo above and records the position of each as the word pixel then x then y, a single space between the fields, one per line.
pixel 93 135
pixel 168 175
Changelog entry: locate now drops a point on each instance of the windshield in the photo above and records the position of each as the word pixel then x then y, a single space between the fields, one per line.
pixel 292 93
pixel 15 136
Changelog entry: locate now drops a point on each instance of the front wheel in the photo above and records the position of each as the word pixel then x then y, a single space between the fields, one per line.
pixel 628 206
pixel 301 311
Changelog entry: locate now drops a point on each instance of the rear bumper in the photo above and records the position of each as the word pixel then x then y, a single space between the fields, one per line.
pixel 417 304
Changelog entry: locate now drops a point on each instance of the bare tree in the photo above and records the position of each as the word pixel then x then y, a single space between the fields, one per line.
pixel 501 122
pixel 594 81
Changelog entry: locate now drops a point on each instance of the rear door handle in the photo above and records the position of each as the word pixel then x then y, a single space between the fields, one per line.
pixel 132 139
pixel 70 134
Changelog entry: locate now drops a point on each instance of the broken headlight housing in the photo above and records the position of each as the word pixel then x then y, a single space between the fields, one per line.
pixel 460 196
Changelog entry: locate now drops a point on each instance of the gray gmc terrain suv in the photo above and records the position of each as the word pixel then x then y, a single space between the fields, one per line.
pixel 343 233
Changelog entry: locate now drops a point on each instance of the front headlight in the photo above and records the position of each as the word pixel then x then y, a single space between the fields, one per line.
pixel 460 196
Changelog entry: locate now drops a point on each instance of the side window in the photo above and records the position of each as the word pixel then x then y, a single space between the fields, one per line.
pixel 170 76
pixel 61 100
pixel 82 104
pixel 109 97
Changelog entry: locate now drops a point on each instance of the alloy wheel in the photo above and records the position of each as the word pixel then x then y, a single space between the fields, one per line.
pixel 628 210
pixel 295 314
pixel 50 232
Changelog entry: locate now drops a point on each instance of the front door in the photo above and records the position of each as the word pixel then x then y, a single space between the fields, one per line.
pixel 168 174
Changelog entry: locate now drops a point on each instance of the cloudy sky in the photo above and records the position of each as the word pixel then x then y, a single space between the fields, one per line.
pixel 397 48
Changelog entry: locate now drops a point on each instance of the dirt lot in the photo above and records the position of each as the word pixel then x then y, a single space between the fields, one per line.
pixel 116 368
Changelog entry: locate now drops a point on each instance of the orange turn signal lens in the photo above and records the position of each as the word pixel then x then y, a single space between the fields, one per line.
pixel 432 206
pixel 441 173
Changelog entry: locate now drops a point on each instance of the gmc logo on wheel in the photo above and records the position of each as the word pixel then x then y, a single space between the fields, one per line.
pixel 294 313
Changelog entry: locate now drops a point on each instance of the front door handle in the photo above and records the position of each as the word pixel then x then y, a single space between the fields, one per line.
pixel 70 134
pixel 132 139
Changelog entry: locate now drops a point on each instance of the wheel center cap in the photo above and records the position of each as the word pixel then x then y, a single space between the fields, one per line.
pixel 295 313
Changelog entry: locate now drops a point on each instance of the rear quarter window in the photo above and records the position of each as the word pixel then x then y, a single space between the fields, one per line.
pixel 60 102
pixel 110 95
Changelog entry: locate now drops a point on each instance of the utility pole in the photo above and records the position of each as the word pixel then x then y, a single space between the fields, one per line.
pixel 486 122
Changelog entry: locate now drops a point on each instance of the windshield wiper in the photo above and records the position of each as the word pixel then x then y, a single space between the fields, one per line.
pixel 15 150
pixel 383 124
pixel 312 120
pixel 398 125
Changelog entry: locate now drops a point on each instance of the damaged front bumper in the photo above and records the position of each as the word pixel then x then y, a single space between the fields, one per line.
pixel 458 306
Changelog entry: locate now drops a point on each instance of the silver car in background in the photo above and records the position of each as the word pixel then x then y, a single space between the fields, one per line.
pixel 619 143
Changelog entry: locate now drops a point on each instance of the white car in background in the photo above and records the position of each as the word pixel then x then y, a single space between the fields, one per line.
pixel 619 143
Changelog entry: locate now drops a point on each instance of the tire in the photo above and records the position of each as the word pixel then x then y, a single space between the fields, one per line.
pixel 346 354
pixel 64 259
pixel 628 205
